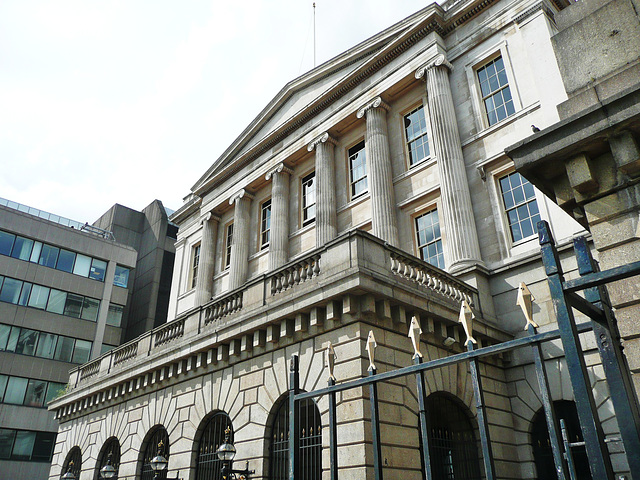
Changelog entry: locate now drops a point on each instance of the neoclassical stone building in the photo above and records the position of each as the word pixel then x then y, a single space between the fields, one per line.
pixel 371 190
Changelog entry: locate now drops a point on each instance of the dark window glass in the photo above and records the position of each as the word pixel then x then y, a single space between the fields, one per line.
pixel 81 352
pixel 98 269
pixel 159 435
pixel 73 305
pixel 227 257
pixel 64 349
pixel 49 256
pixel 6 442
pixel 121 278
pixel 36 390
pixel 46 345
pixel 358 170
pixel 520 205
pixel 4 336
pixel 27 341
pixel 43 447
pixel 429 238
pixel 265 225
pixel 6 243
pixel 114 316
pixel 3 385
pixel 16 389
pixel 66 259
pixel 39 297
pixel 23 445
pixel 309 199
pixel 208 465
pixel 25 294
pixel 10 290
pixel 195 263
pixel 415 129
pixel 110 454
pixel 13 339
pixel 73 462
pixel 57 301
pixel 90 309
pixel 54 390
pixel 22 248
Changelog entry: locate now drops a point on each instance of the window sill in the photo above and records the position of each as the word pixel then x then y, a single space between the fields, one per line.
pixel 489 130
pixel 356 201
pixel 418 167
pixel 259 253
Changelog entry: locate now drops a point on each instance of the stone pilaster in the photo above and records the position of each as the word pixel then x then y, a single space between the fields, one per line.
pixel 204 283
pixel 326 216
pixel 279 241
pixel 456 213
pixel 383 215
pixel 240 243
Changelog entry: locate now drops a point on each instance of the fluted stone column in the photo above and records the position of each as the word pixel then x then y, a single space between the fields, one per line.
pixel 456 217
pixel 326 216
pixel 240 242
pixel 383 203
pixel 279 241
pixel 204 283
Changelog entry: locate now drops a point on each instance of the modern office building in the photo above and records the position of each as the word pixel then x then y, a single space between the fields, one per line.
pixel 366 202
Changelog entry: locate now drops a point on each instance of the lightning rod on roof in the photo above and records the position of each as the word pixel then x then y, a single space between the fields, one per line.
pixel 314 34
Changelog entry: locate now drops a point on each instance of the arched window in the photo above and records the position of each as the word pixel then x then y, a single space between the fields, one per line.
pixel 452 442
pixel 542 455
pixel 73 462
pixel 310 441
pixel 110 452
pixel 150 449
pixel 208 465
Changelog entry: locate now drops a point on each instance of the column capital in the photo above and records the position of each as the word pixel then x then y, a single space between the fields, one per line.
pixel 375 103
pixel 208 216
pixel 322 138
pixel 238 195
pixel 281 167
pixel 439 61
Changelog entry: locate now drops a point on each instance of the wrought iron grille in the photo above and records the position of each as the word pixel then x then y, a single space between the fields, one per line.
pixel 310 429
pixel 452 442
pixel 151 450
pixel 111 446
pixel 75 456
pixel 542 454
pixel 208 465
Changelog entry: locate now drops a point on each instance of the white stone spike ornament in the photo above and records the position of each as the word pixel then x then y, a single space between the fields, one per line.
pixel 466 318
pixel 525 302
pixel 330 355
pixel 414 334
pixel 371 347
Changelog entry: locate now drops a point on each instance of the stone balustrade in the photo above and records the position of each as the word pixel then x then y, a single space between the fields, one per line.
pixel 124 353
pixel 169 332
pixel 90 369
pixel 228 304
pixel 295 274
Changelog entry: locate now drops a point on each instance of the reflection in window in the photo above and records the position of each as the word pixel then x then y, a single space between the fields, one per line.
pixel 82 265
pixel 90 309
pixel 35 393
pixel 22 248
pixel 81 352
pixel 121 278
pixel 10 290
pixel 41 344
pixel 98 269
pixel 415 129
pixel 229 238
pixel 66 260
pixel 519 200
pixel 265 225
pixel 16 388
pixel 309 199
pixel 496 94
pixel 49 256
pixel 57 301
pixel 358 170
pixel 195 263
pixel 39 296
pixel 6 243
pixel 114 316
pixel 429 238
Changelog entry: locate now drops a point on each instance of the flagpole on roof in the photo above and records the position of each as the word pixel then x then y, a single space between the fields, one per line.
pixel 314 34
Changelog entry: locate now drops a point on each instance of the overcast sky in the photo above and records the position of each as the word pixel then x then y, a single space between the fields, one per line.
pixel 129 101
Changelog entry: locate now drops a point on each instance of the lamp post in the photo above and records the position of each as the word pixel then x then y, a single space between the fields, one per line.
pixel 158 463
pixel 108 471
pixel 226 453
pixel 69 474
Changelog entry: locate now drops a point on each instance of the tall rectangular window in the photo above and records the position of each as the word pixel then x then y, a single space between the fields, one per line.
pixel 229 243
pixel 265 224
pixel 195 263
pixel 121 278
pixel 496 94
pixel 429 238
pixel 358 170
pixel 22 248
pixel 519 200
pixel 415 129
pixel 309 199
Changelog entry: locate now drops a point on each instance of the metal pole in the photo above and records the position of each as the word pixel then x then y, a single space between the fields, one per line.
pixel 567 450
pixel 613 362
pixel 375 428
pixel 552 423
pixel 333 433
pixel 294 435
pixel 599 461
pixel 424 420
pixel 483 425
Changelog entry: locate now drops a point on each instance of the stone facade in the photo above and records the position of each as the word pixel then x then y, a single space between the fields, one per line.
pixel 256 280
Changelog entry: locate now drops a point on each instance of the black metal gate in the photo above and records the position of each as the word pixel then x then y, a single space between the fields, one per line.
pixel 594 304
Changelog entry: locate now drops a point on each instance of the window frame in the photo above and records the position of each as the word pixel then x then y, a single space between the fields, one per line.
pixel 264 234
pixel 194 264
pixel 365 177
pixel 407 142
pixel 310 176
pixel 427 209
pixel 505 211
pixel 228 244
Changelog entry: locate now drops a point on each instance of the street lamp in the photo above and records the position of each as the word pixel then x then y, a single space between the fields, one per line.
pixel 226 452
pixel 69 475
pixel 108 471
pixel 158 463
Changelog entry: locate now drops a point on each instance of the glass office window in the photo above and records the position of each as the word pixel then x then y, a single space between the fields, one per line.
pixel 39 296
pixel 3 386
pixel 105 348
pixel 49 256
pixel 81 352
pixel 54 390
pixel 46 345
pixel 98 269
pixel 6 442
pixel 66 260
pixel 43 447
pixel 57 301
pixel 24 295
pixel 90 309
pixel 73 305
pixel 26 342
pixel 22 248
pixel 13 339
pixel 23 445
pixel 36 390
pixel 82 265
pixel 16 388
pixel 10 290
pixel 121 278
pixel 64 349
pixel 35 252
pixel 114 316
pixel 6 243
pixel 4 336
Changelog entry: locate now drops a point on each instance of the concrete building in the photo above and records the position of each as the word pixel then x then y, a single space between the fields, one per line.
pixel 370 191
